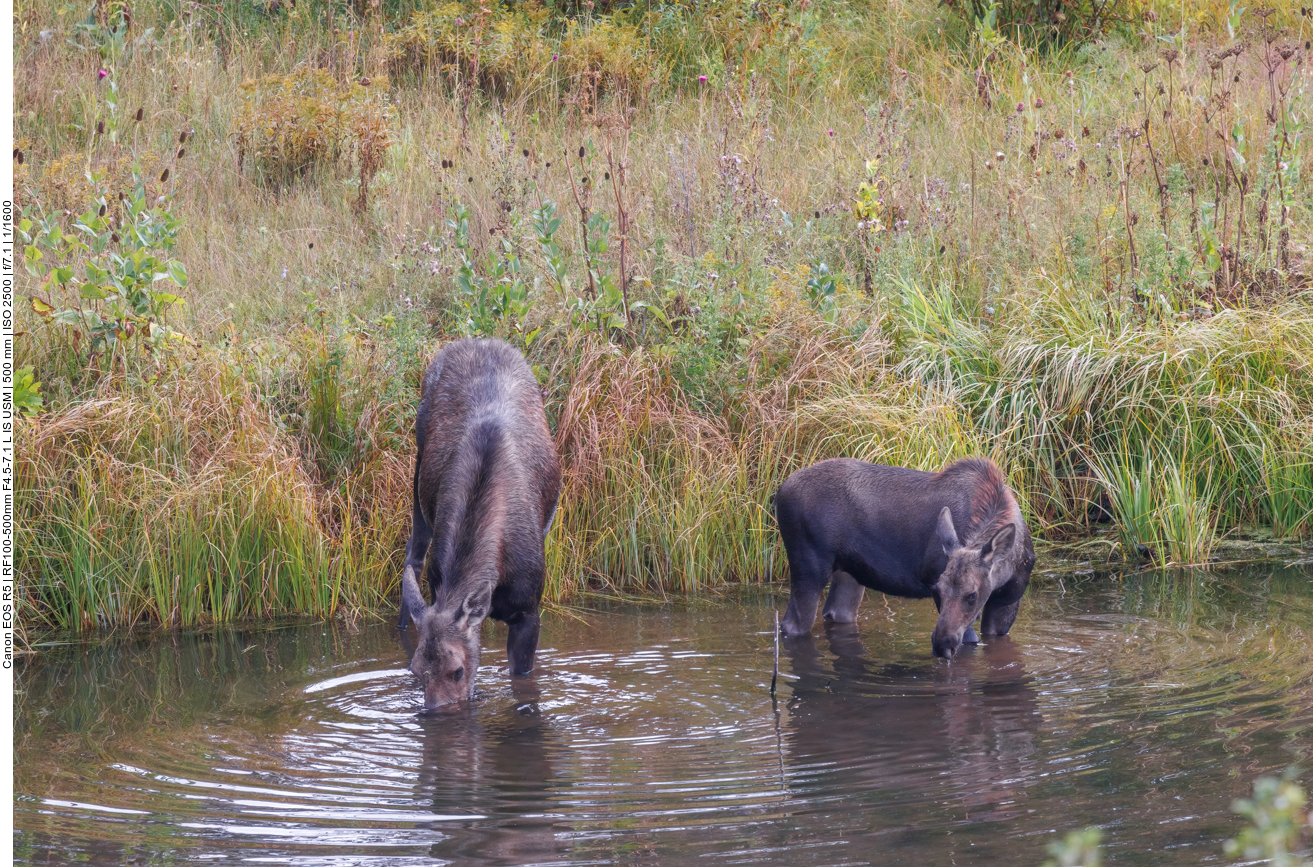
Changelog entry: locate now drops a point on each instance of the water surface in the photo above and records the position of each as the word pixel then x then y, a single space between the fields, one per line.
pixel 1143 703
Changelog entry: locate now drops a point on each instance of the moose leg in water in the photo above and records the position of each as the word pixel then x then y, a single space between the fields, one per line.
pixel 896 530
pixel 844 598
pixel 487 479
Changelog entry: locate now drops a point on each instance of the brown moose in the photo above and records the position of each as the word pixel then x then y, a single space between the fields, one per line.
pixel 487 479
pixel 956 536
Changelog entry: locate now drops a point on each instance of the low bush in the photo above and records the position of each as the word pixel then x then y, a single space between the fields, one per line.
pixel 290 125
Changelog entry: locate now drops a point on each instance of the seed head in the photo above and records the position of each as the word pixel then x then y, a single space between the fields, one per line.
pixel 182 152
pixel 100 127
pixel 164 177
pixel 581 151
pixel 141 113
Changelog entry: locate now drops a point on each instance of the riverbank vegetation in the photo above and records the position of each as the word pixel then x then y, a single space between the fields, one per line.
pixel 732 238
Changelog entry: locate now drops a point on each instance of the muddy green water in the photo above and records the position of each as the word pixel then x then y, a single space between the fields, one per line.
pixel 1143 703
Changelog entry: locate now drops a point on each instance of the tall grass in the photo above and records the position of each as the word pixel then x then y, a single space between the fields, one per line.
pixel 874 232
pixel 186 506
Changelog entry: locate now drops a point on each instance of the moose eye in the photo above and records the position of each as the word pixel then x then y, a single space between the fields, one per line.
pixel 458 674
pixel 971 598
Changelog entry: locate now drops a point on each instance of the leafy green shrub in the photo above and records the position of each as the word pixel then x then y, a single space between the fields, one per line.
pixel 27 392
pixel 128 281
pixel 494 296
pixel 291 124
pixel 1077 849
pixel 1278 824
pixel 1277 821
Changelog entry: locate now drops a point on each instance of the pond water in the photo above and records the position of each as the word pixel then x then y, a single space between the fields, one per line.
pixel 1143 703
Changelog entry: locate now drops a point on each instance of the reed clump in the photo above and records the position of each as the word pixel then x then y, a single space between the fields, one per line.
pixel 186 505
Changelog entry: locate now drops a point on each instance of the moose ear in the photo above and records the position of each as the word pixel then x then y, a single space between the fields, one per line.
pixel 473 608
pixel 1000 541
pixel 412 600
pixel 946 532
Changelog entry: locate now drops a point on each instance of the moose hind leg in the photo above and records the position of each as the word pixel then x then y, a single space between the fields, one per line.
pixel 522 642
pixel 807 578
pixel 844 597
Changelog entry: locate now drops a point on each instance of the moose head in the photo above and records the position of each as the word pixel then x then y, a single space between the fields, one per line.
pixel 973 572
pixel 447 656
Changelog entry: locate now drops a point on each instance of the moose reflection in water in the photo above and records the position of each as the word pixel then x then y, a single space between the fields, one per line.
pixel 881 731
pixel 492 764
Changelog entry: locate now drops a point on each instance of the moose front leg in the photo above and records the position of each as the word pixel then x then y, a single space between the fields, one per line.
pixel 1001 609
pixel 522 642
pixel 418 546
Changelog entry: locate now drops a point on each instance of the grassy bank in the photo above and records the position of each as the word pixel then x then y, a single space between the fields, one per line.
pixel 731 240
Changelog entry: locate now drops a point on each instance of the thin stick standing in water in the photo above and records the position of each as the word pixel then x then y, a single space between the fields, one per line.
pixel 775 674
pixel 779 737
